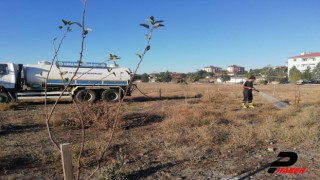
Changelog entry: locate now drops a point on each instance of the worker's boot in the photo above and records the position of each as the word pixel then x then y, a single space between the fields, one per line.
pixel 251 105
pixel 244 106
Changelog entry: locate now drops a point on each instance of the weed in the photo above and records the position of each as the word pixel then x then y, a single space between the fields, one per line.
pixel 115 170
pixel 8 106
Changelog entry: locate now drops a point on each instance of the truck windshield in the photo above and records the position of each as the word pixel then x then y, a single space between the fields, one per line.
pixel 4 69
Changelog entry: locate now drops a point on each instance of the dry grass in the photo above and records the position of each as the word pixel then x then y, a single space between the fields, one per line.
pixel 200 126
pixel 8 106
pixel 231 129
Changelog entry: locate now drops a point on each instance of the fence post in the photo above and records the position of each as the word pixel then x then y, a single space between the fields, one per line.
pixel 274 89
pixel 298 98
pixel 160 93
pixel 66 161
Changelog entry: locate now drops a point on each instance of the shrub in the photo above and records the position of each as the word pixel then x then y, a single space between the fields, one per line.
pixel 263 82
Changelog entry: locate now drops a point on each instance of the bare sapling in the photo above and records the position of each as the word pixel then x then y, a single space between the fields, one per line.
pixel 84 32
pixel 151 25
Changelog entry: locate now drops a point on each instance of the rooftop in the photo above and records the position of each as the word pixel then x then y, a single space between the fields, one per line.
pixel 307 55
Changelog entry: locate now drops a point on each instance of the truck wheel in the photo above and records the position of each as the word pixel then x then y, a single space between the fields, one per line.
pixel 110 95
pixel 4 97
pixel 85 95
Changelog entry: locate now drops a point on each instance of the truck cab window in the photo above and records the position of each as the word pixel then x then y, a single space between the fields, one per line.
pixel 4 69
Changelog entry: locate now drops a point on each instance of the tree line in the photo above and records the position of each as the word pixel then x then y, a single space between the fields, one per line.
pixel 268 74
pixel 310 76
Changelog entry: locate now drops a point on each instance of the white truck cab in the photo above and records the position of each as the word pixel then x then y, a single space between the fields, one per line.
pixel 8 75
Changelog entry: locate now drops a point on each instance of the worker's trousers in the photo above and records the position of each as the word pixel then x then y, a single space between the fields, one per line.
pixel 247 95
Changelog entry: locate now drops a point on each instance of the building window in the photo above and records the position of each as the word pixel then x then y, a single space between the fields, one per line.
pixel 305 59
pixel 294 60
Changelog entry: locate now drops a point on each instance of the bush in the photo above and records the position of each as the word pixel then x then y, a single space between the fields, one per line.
pixel 263 82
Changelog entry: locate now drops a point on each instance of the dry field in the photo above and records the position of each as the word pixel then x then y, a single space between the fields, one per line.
pixel 198 131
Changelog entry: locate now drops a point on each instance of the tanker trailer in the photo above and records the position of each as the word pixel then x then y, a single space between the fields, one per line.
pixel 93 81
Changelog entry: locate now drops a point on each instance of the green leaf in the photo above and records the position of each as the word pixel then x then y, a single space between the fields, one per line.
pixel 159 21
pixel 148 48
pixel 148 36
pixel 63 73
pixel 87 30
pixel 128 72
pixel 110 57
pixel 66 79
pixel 152 18
pixel 139 56
pixel 149 21
pixel 157 25
pixel 145 25
pixel 113 57
pixel 64 22
pixel 60 27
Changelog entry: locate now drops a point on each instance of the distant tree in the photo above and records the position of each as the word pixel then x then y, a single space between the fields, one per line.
pixel 282 80
pixel 257 72
pixel 307 74
pixel 316 72
pixel 202 74
pixel 268 73
pixel 144 77
pixel 294 75
pixel 225 77
pixel 241 73
pixel 165 76
pixel 251 73
pixel 281 75
pixel 263 82
pixel 183 76
pixel 191 77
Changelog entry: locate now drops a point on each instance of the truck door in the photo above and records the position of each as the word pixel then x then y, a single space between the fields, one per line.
pixel 7 76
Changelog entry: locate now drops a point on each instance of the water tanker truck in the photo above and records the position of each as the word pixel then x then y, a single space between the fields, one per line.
pixel 93 81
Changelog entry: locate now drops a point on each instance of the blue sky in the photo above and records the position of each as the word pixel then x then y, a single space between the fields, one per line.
pixel 250 33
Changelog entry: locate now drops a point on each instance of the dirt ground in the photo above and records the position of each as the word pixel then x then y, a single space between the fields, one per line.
pixel 195 131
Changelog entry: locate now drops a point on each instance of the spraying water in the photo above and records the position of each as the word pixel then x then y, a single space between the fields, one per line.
pixel 278 104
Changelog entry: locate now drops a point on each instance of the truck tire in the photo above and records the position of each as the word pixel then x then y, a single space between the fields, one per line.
pixel 110 95
pixel 85 95
pixel 4 97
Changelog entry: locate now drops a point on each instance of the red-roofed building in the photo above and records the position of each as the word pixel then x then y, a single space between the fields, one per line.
pixel 303 61
pixel 176 77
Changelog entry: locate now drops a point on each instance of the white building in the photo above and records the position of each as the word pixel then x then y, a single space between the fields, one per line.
pixel 212 69
pixel 234 80
pixel 303 61
pixel 234 69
